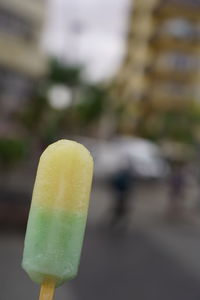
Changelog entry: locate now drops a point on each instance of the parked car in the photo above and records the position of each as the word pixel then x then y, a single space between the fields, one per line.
pixel 142 156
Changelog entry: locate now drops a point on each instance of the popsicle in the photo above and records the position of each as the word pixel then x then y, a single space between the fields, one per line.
pixel 58 214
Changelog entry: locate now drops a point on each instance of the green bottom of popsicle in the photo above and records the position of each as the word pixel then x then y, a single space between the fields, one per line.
pixel 53 245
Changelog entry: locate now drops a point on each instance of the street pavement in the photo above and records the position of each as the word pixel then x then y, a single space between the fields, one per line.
pixel 150 259
pixel 132 266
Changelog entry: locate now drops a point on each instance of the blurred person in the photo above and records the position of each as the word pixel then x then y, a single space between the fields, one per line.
pixel 122 183
pixel 177 182
pixel 195 175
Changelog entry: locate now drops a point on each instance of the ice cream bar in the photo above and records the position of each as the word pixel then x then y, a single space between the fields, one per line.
pixel 58 213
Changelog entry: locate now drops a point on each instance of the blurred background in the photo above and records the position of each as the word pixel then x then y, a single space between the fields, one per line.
pixel 122 77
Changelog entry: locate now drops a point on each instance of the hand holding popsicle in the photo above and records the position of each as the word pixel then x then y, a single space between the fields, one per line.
pixel 58 215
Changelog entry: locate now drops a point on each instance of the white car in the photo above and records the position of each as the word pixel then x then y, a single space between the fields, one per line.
pixel 142 156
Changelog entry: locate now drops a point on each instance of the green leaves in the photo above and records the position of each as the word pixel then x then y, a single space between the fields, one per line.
pixel 11 150
pixel 92 104
pixel 59 73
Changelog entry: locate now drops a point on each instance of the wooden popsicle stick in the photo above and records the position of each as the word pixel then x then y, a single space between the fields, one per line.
pixel 47 290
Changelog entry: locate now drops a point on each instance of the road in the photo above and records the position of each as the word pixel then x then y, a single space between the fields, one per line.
pixel 149 260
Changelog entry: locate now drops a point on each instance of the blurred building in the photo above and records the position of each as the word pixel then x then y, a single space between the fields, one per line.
pixel 21 61
pixel 162 63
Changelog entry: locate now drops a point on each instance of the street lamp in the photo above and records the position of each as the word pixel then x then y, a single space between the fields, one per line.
pixel 59 97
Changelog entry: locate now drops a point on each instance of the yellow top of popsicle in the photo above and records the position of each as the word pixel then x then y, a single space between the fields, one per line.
pixel 64 178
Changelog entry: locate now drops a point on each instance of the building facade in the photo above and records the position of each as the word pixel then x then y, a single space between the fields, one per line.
pixel 162 62
pixel 21 62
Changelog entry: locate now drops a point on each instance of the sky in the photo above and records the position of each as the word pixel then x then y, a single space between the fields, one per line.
pixel 88 32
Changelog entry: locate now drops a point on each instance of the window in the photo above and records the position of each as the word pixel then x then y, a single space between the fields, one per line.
pixel 180 29
pixel 15 85
pixel 15 25
pixel 178 62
